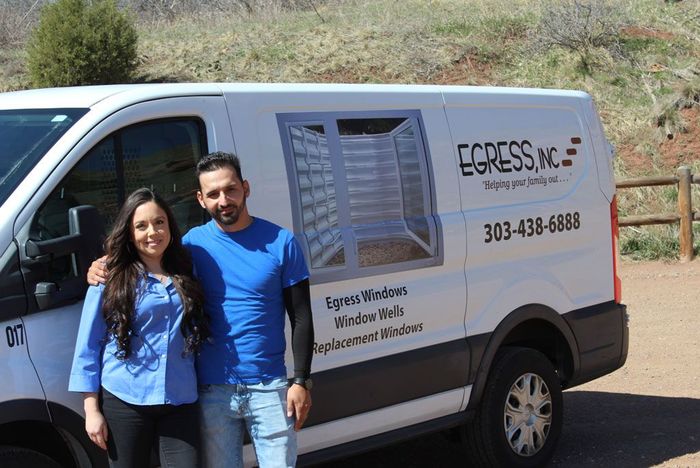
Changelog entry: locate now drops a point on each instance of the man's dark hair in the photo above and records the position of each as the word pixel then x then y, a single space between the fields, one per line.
pixel 218 160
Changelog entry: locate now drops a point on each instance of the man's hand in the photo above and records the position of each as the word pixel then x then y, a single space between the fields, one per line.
pixel 98 273
pixel 298 404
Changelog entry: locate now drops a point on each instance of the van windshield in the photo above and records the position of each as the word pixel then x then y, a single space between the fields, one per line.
pixel 25 136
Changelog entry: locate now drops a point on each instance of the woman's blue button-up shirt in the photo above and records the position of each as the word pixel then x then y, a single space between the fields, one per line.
pixel 155 372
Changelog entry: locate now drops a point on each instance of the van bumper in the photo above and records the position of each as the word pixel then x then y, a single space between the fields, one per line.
pixel 602 335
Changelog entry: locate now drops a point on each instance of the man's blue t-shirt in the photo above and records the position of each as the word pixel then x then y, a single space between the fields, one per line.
pixel 243 274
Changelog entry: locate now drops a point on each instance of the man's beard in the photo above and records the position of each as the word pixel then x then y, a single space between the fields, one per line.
pixel 230 219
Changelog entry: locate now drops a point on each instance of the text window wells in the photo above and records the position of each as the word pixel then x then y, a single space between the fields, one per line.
pixel 363 192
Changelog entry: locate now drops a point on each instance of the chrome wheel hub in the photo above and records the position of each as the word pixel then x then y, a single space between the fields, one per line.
pixel 527 414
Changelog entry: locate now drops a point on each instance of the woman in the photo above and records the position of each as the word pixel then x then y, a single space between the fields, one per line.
pixel 136 341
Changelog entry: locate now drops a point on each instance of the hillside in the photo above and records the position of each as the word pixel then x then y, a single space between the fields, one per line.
pixel 639 59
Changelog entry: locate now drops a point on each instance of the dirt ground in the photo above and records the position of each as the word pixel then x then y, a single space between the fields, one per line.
pixel 645 414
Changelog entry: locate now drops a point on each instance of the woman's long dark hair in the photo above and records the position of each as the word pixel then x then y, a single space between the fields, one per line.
pixel 125 267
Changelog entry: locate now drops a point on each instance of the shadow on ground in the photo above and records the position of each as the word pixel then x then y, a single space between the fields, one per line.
pixel 600 429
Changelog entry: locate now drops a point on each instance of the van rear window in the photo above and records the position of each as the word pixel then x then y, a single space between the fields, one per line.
pixel 25 136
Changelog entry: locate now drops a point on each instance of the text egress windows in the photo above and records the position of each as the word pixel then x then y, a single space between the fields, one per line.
pixel 362 190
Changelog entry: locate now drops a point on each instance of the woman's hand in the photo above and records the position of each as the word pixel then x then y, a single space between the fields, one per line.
pixel 95 423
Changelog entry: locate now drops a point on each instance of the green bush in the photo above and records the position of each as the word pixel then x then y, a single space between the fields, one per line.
pixel 81 42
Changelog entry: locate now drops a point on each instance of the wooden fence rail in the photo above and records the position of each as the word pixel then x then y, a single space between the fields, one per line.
pixel 685 216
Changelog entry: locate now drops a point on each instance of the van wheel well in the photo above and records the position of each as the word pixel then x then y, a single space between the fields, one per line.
pixel 544 337
pixel 38 436
pixel 519 419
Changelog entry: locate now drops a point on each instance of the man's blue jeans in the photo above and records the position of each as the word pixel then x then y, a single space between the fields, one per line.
pixel 228 409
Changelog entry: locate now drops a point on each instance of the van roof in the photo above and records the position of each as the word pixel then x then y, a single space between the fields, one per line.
pixel 88 96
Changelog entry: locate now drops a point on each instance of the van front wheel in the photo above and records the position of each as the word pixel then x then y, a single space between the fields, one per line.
pixel 20 457
pixel 519 420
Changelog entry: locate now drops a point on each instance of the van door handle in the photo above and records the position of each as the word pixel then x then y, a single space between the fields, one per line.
pixel 45 258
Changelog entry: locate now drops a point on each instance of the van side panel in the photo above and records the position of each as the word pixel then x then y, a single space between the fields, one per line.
pixel 538 226
pixel 20 380
pixel 364 319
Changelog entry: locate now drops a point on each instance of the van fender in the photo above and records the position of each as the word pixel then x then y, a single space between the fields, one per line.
pixel 52 418
pixel 27 409
pixel 74 424
pixel 498 339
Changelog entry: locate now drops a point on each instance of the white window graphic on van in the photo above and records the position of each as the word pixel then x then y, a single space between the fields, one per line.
pixel 363 192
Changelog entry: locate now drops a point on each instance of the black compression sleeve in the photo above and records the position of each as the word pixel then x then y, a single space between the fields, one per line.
pixel 297 300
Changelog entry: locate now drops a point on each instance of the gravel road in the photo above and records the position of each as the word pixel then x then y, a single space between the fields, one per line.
pixel 645 414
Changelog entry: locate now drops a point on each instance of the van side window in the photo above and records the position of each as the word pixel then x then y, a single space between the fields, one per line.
pixel 158 154
pixel 362 188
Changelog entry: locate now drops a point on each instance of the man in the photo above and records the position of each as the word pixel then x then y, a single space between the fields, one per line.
pixel 251 270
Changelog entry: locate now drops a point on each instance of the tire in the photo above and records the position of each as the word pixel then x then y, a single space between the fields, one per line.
pixel 520 417
pixel 20 457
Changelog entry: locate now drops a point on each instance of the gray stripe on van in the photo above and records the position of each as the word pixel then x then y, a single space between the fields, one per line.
pixel 378 383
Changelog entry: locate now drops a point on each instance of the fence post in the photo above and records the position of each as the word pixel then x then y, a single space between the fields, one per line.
pixel 685 210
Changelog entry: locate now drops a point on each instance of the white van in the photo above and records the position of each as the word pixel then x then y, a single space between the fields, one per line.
pixel 461 242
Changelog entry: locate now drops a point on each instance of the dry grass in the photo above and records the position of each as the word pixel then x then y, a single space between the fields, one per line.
pixel 353 43
pixel 642 76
